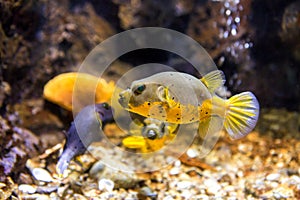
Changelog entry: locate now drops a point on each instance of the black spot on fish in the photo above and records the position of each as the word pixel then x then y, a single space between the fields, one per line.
pixel 148 115
pixel 178 118
pixel 206 113
pixel 173 98
pixel 149 103
pixel 160 111
pixel 163 115
pixel 177 114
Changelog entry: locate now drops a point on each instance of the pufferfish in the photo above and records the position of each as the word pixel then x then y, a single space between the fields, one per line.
pixel 181 98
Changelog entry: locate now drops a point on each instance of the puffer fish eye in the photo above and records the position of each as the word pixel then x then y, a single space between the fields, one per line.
pixel 105 105
pixel 139 89
pixel 151 134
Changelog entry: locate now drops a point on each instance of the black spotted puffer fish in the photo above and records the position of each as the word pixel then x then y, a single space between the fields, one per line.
pixel 181 98
pixel 89 122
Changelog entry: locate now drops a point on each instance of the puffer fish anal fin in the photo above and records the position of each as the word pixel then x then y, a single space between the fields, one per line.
pixel 209 131
pixel 213 80
pixel 242 114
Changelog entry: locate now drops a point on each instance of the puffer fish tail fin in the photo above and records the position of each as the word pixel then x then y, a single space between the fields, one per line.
pixel 241 114
pixel 213 80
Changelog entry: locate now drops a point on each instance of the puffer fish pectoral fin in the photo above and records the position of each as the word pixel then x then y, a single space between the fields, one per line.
pixel 213 80
pixel 163 95
pixel 209 131
pixel 172 128
pixel 242 114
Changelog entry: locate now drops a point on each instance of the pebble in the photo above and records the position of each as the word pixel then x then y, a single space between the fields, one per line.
pixel 202 197
pixel 174 171
pixel 46 189
pixel 96 169
pixel 106 185
pixel 191 153
pixel 273 177
pixel 36 197
pixel 295 180
pixel 28 189
pixel 245 148
pixel 168 197
pixel 121 179
pixel 184 185
pixel 177 163
pixel 41 174
pixel 186 194
pixel 229 188
pixel 212 186
pixel 145 192
pixel 2 185
pixel 283 192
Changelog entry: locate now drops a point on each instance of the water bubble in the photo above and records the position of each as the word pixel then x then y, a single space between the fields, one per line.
pixel 237 20
pixel 228 12
pixel 233 31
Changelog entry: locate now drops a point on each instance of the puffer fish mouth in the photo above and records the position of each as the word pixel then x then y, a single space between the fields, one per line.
pixel 124 97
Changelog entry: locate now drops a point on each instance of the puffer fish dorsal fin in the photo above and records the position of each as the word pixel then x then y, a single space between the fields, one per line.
pixel 213 80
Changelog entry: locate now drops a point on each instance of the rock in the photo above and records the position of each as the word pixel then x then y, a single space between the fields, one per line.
pixel 106 185
pixel 291 29
pixel 5 91
pixel 121 179
pixel 283 192
pixel 28 189
pixel 41 174
pixel 46 189
pixel 273 177
pixel 96 169
pixel 135 14
pixel 191 153
pixel 245 148
pixel 7 188
pixel 182 185
pixel 212 186
pixel 146 192
pixel 174 171
pixel 16 146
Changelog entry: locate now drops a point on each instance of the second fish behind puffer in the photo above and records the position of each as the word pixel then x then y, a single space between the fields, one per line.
pixel 84 130
pixel 182 99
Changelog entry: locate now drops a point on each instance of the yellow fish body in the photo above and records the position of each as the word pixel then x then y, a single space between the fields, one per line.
pixel 180 98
